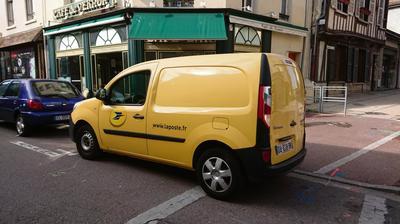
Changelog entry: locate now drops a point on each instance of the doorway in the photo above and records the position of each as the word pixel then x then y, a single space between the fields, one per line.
pixel 108 65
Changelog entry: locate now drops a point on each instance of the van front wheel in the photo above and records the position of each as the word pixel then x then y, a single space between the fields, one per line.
pixel 86 143
pixel 219 173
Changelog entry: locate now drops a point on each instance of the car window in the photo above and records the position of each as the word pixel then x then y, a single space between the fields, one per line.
pixel 13 89
pixel 3 87
pixel 54 89
pixel 131 89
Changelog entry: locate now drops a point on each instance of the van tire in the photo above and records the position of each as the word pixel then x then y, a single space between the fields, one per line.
pixel 219 181
pixel 86 143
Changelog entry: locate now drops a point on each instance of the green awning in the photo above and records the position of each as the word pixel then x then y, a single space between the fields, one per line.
pixel 84 25
pixel 178 26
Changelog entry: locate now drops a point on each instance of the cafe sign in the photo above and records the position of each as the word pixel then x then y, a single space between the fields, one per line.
pixel 82 7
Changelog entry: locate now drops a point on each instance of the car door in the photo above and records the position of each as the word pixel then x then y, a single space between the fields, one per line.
pixel 122 117
pixel 3 88
pixel 11 100
pixel 286 117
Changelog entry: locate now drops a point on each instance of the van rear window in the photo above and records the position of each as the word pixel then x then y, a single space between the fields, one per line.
pixel 203 87
pixel 54 89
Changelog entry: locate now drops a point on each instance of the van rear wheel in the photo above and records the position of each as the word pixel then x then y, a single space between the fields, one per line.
pixel 86 143
pixel 219 173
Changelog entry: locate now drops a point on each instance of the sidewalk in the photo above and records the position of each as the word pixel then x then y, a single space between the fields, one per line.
pixel 377 104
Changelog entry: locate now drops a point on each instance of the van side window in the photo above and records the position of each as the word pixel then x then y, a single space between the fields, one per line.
pixel 130 89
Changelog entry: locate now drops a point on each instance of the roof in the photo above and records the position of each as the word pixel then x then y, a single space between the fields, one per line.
pixel 21 38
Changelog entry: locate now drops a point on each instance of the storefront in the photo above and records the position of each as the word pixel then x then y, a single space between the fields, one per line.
pixel 92 50
pixel 22 55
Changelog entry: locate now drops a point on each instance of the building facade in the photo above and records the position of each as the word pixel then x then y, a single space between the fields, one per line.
pixel 21 39
pixel 90 41
pixel 348 43
pixel 391 60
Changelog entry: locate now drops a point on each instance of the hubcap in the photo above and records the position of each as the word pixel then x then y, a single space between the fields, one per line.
pixel 20 125
pixel 87 141
pixel 217 174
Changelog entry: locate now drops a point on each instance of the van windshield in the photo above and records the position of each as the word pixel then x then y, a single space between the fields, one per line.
pixel 54 89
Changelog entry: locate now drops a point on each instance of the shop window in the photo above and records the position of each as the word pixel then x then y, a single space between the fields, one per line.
pixel 131 89
pixel 150 55
pixel 108 36
pixel 178 3
pixel 70 41
pixel 10 13
pixel 247 39
pixel 247 36
pixel 29 9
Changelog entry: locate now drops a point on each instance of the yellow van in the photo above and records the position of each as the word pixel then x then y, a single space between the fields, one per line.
pixel 229 117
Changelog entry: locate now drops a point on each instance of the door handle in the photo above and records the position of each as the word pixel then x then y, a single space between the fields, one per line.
pixel 138 116
pixel 293 123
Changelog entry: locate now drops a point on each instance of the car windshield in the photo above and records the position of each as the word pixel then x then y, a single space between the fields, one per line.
pixel 54 89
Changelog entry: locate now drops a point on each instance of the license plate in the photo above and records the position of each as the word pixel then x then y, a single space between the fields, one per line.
pixel 284 147
pixel 61 117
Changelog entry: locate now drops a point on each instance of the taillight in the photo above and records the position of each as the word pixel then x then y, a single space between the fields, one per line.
pixel 35 104
pixel 264 105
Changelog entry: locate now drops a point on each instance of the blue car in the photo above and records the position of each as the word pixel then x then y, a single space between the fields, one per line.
pixel 35 102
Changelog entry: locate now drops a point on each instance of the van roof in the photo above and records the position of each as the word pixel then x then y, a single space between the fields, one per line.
pixel 211 59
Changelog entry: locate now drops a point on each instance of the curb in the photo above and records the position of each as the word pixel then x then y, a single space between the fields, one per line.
pixel 385 188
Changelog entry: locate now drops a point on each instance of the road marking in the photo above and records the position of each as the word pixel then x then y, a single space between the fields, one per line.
pixel 373 210
pixel 357 154
pixel 51 154
pixel 169 207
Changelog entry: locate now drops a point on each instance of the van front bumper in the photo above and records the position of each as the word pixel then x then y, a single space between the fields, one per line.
pixel 256 168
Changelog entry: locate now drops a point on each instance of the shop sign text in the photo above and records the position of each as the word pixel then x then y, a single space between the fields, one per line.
pixel 81 7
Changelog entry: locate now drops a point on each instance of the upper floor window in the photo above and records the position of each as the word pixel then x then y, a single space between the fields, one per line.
pixel 343 5
pixel 364 9
pixel 178 3
pixel 284 14
pixel 10 13
pixel 29 9
pixel 247 5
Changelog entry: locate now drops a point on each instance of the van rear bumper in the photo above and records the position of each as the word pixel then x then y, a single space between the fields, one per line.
pixel 256 168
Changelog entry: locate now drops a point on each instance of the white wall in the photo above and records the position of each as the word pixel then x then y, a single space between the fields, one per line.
pixel 20 20
pixel 393 20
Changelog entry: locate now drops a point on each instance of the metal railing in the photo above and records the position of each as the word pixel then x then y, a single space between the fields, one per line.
pixel 325 94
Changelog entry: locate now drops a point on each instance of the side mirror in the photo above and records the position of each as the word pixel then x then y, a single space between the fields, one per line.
pixel 87 93
pixel 101 94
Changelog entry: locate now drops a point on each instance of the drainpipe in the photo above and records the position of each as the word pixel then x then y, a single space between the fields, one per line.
pixel 314 53
pixel 45 49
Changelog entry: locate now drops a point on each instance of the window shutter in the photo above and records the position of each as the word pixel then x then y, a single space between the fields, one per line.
pixel 372 9
pixel 381 12
pixel 334 4
pixel 351 7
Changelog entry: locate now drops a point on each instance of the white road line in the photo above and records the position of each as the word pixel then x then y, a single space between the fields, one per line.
pixel 357 154
pixel 373 210
pixel 169 207
pixel 51 154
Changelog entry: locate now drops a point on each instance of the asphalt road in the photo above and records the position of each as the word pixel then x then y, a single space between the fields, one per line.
pixel 42 180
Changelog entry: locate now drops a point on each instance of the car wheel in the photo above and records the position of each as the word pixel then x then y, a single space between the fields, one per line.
pixel 219 173
pixel 22 128
pixel 86 143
